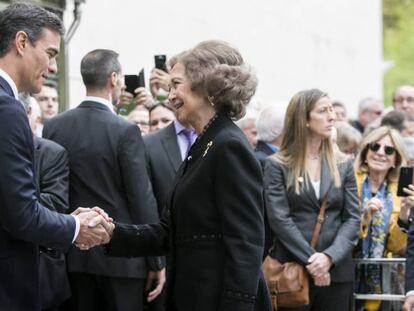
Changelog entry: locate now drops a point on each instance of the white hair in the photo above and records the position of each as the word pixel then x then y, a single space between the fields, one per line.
pixel 249 117
pixel 270 123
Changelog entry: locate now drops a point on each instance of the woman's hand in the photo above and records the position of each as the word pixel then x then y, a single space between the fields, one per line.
pixel 407 203
pixel 372 206
pixel 319 265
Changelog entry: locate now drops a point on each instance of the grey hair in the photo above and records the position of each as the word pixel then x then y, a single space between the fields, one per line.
pixel 366 104
pixel 27 17
pixel 25 99
pixel 270 122
pixel 217 70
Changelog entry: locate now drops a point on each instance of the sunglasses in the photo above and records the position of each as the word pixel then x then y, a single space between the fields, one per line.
pixel 387 149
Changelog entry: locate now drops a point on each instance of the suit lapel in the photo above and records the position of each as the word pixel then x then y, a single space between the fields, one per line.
pixel 170 145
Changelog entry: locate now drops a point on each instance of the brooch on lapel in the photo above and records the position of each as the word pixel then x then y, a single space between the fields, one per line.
pixel 208 147
pixel 300 179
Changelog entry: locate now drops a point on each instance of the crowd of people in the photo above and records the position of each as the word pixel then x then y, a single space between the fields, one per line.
pixel 175 206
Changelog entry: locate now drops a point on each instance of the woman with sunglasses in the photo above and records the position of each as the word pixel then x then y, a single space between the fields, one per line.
pixel 384 222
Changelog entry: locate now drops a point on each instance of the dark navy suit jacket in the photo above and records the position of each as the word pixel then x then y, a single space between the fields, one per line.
pixel 24 222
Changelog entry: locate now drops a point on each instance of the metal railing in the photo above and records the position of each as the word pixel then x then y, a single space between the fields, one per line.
pixel 386 297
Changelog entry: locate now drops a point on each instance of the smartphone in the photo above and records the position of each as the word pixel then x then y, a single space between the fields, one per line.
pixel 160 62
pixel 406 178
pixel 132 82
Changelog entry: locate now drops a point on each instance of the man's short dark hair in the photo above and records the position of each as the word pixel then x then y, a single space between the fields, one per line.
pixel 97 65
pixel 395 119
pixel 27 17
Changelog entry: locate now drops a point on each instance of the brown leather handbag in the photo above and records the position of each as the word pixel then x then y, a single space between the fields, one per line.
pixel 289 282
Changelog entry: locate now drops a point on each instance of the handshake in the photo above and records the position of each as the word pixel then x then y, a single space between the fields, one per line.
pixel 96 227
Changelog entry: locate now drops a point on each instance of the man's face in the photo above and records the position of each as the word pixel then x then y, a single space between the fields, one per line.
pixel 251 133
pixel 48 102
pixel 404 100
pixel 38 61
pixel 141 119
pixel 117 90
pixel 160 117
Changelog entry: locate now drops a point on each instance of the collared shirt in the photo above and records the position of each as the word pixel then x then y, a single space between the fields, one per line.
pixel 10 81
pixel 100 100
pixel 182 140
pixel 273 147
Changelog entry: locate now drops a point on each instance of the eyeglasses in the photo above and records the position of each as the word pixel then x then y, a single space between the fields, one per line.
pixel 377 112
pixel 408 99
pixel 376 146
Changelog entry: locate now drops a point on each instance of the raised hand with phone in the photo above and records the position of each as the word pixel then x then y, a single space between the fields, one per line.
pixel 134 94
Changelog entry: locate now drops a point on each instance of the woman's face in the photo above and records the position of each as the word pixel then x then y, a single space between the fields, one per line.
pixel 187 104
pixel 321 119
pixel 379 157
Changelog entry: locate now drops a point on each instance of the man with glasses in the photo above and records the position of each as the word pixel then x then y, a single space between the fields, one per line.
pixel 369 110
pixel 403 99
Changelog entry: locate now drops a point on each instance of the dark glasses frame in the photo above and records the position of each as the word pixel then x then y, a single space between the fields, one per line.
pixel 388 150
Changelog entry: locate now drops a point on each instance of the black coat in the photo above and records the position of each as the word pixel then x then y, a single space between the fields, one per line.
pixel 107 169
pixel 24 222
pixel 214 228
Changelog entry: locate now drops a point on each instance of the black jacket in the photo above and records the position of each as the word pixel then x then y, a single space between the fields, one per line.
pixel 213 230
pixel 107 169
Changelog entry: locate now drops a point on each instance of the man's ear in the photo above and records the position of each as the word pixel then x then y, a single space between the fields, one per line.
pixel 113 78
pixel 21 41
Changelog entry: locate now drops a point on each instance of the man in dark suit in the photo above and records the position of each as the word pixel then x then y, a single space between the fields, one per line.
pixel 269 126
pixel 107 169
pixel 166 149
pixel 28 53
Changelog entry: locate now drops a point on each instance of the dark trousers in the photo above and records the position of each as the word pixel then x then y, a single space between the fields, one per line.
pixel 157 305
pixel 336 297
pixel 100 293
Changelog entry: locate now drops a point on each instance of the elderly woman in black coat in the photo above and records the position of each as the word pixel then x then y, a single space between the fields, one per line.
pixel 213 228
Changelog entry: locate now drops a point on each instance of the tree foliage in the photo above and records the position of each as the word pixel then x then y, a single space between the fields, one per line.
pixel 398 23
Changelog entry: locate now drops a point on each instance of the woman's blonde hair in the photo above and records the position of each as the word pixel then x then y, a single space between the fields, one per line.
pixel 374 136
pixel 296 135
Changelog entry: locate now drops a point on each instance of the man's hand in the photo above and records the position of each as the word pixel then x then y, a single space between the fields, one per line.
pixel 409 303
pixel 324 280
pixel 319 265
pixel 155 283
pixel 95 228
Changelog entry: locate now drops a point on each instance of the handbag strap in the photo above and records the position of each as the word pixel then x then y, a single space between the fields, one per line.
pixel 320 219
